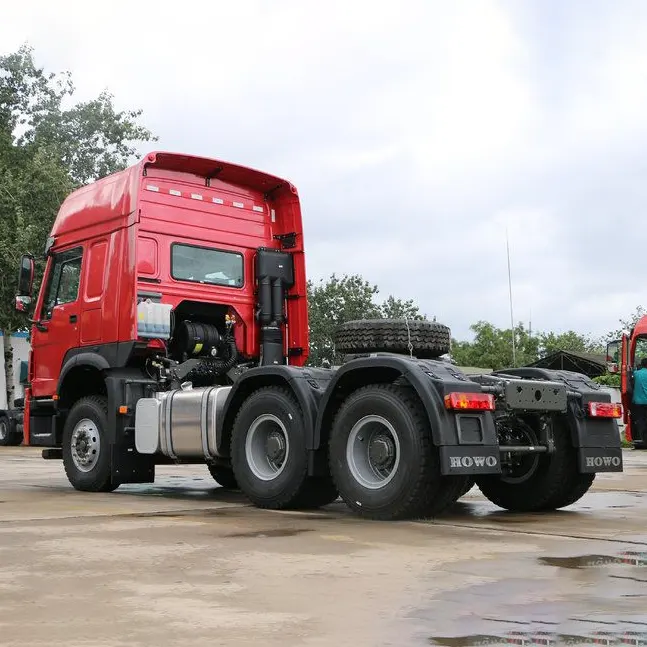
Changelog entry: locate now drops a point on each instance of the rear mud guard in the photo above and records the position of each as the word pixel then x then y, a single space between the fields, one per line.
pixel 469 460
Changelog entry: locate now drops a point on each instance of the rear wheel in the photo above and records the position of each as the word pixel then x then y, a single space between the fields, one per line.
pixel 540 482
pixel 86 452
pixel 8 436
pixel 268 452
pixel 223 476
pixel 382 459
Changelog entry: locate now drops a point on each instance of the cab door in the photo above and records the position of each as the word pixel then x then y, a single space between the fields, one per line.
pixel 56 329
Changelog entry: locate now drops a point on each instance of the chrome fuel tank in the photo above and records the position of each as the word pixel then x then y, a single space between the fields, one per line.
pixel 180 423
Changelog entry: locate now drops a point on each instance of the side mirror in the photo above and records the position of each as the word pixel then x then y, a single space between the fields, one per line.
pixel 26 276
pixel 22 304
pixel 613 358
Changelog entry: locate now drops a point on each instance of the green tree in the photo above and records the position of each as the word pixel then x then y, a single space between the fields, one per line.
pixel 492 347
pixel 340 299
pixel 568 341
pixel 47 150
pixel 90 139
pixel 32 186
pixel 394 308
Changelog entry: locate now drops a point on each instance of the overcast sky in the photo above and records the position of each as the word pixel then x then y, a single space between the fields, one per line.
pixel 415 132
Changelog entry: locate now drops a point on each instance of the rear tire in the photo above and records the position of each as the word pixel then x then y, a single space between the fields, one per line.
pixel 555 483
pixel 268 452
pixel 223 476
pixel 8 436
pixel 86 453
pixel 382 459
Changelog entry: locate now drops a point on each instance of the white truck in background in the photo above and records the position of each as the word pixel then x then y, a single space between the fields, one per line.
pixel 14 350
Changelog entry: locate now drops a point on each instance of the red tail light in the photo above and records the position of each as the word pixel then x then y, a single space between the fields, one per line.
pixel 470 401
pixel 605 410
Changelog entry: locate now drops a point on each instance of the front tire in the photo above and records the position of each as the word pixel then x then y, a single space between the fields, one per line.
pixel 268 451
pixel 382 459
pixel 555 481
pixel 86 452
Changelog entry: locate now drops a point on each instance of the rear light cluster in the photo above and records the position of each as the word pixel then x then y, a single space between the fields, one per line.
pixel 605 410
pixel 470 401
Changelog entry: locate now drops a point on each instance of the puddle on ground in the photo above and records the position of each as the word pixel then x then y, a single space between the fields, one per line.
pixel 631 558
pixel 277 532
pixel 204 513
pixel 570 630
pixel 544 638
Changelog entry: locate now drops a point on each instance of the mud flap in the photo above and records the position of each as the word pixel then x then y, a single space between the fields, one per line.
pixel 475 459
pixel 127 465
pixel 600 459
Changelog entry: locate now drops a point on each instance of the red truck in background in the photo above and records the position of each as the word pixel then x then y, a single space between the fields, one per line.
pixel 623 357
pixel 172 327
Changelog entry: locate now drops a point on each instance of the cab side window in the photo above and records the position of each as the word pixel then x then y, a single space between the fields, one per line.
pixel 64 280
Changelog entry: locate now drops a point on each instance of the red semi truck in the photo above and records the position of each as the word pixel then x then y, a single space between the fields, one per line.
pixel 623 357
pixel 172 327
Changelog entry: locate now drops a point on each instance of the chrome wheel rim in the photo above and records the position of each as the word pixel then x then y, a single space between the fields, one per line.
pixel 85 445
pixel 373 452
pixel 267 447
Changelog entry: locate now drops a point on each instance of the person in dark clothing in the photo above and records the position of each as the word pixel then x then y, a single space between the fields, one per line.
pixel 639 405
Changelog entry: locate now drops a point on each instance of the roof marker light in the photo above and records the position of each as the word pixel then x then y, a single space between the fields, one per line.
pixel 240 205
pixel 196 196
pixel 152 187
pixel 257 208
pixel 175 192
pixel 218 200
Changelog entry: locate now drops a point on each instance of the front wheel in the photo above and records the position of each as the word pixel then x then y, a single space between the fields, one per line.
pixel 86 452
pixel 382 459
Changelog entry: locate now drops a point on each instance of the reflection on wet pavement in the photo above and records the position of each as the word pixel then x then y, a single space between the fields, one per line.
pixel 610 637
pixel 279 532
pixel 587 599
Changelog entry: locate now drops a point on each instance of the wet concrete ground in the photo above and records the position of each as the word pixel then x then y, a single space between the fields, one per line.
pixel 185 563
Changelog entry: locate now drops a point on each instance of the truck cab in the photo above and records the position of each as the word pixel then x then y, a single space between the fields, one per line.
pixel 172 236
pixel 624 356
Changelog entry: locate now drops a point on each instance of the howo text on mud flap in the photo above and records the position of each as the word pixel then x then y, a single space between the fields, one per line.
pixel 172 327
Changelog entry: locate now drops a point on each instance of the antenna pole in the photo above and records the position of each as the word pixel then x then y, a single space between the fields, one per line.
pixel 530 324
pixel 514 350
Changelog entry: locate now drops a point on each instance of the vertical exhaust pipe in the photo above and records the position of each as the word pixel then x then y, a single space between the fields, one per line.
pixel 274 274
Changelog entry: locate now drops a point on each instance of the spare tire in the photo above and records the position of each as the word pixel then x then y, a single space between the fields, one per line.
pixel 428 338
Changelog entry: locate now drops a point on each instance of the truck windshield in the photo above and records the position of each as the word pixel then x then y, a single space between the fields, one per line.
pixel 206 265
